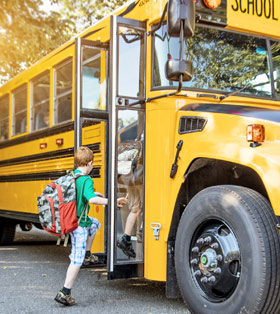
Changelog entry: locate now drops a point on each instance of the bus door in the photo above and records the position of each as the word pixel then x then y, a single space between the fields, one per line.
pixel 126 147
pixel 91 121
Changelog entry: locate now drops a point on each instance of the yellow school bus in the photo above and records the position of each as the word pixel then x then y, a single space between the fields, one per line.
pixel 179 100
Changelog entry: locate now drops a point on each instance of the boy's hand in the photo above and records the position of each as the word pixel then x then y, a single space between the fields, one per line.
pixel 121 201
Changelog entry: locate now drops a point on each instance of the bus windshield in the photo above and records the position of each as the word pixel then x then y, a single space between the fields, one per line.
pixel 222 61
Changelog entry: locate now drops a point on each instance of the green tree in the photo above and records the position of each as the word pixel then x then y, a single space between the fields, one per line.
pixel 83 13
pixel 27 33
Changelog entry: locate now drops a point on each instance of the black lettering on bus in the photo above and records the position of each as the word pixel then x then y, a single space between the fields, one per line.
pixel 251 3
pixel 273 11
pixel 259 7
pixel 235 8
pixel 267 8
pixel 243 11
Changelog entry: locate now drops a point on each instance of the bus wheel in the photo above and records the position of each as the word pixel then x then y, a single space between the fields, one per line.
pixel 227 253
pixel 7 231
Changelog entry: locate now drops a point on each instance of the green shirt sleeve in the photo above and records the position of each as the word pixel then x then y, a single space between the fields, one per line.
pixel 88 192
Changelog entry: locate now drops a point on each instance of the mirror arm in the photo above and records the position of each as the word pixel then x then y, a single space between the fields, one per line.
pixel 181 54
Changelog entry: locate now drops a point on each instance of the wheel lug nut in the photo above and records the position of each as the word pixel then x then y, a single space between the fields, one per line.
pixel 214 246
pixel 217 270
pixel 195 249
pixel 208 239
pixel 212 279
pixel 197 273
pixel 219 257
pixel 194 261
pixel 200 241
pixel 204 280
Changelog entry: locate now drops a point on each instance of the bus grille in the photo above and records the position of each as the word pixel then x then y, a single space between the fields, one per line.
pixel 191 124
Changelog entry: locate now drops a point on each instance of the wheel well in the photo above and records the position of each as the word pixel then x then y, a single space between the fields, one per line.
pixel 205 172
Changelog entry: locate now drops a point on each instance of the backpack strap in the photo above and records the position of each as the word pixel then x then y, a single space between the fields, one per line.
pixel 85 207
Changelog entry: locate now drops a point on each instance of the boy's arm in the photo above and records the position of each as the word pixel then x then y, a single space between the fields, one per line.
pixel 98 200
pixel 104 201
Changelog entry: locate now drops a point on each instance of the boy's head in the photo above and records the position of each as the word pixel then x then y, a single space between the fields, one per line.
pixel 83 155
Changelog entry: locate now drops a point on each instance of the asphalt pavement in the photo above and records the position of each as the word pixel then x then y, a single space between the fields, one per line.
pixel 33 269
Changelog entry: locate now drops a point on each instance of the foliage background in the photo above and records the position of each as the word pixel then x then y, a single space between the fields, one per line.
pixel 28 32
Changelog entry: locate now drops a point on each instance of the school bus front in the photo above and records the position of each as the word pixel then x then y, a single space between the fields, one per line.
pixel 188 121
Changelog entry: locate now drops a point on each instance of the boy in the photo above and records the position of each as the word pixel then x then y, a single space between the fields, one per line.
pixel 83 236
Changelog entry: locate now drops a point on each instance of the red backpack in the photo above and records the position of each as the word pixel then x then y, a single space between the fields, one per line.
pixel 57 205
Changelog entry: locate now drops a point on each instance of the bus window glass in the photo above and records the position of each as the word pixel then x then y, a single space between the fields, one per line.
pixel 275 49
pixel 130 180
pixel 40 91
pixel 94 80
pixel 130 83
pixel 19 112
pixel 63 92
pixel 4 118
pixel 222 61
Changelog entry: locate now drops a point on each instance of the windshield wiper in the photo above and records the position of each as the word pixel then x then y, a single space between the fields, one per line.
pixel 233 93
pixel 241 89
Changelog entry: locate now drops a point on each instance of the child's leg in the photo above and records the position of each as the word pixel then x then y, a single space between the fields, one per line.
pixel 71 275
pixel 91 232
pixel 78 241
pixel 135 206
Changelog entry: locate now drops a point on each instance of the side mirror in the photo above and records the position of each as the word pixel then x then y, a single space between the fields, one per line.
pixel 176 69
pixel 177 11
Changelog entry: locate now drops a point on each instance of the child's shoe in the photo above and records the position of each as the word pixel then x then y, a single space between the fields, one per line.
pixel 65 299
pixel 126 247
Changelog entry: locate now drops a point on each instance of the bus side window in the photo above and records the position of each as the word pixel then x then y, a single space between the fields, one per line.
pixel 40 95
pixel 63 92
pixel 64 109
pixel 94 78
pixel 4 118
pixel 19 111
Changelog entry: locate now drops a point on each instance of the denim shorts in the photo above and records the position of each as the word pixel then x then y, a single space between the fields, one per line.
pixel 79 241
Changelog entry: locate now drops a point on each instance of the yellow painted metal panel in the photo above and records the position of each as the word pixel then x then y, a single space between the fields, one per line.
pixel 258 16
pixel 224 138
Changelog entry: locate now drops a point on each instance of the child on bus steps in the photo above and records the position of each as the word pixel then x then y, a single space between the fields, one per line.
pixel 83 236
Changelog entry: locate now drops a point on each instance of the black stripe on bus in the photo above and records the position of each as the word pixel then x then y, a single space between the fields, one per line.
pixel 58 129
pixel 63 153
pixel 95 173
pixel 19 216
pixel 253 112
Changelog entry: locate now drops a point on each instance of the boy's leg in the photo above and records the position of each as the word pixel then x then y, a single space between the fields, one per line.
pixel 78 240
pixel 130 222
pixel 134 201
pixel 71 275
pixel 91 259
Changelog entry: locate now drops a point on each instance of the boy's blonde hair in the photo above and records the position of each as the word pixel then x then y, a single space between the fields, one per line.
pixel 83 155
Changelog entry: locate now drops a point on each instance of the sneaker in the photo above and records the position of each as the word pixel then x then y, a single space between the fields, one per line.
pixel 65 299
pixel 126 247
pixel 90 260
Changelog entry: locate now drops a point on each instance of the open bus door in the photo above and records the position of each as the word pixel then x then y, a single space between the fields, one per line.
pixel 126 144
pixel 91 120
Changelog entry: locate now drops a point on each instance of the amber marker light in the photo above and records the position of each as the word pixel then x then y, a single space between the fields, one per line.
pixel 59 141
pixel 212 4
pixel 255 134
pixel 43 145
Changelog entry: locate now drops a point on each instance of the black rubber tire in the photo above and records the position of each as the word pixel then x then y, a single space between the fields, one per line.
pixel 251 218
pixel 7 231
